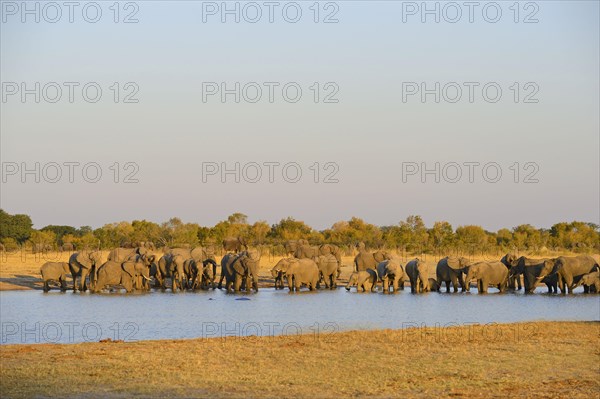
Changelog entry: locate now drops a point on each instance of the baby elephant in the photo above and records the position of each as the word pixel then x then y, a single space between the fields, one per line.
pixel 591 282
pixel 55 272
pixel 365 280
pixel 391 275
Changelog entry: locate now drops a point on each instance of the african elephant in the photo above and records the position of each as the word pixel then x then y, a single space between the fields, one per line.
pixel 189 269
pixel 201 273
pixel 67 247
pixel 306 252
pixel 328 269
pixel 278 271
pixel 418 273
pixel 233 278
pixel 450 270
pixel 535 271
pixel 510 260
pixel 208 274
pixel 226 271
pixel 235 244
pixel 364 260
pixel 83 263
pixel 327 249
pixel 112 273
pixel 123 254
pixel 433 285
pixel 292 245
pixel 140 270
pixel 55 272
pixel 380 256
pixel 40 248
pixel 302 271
pixel 250 264
pixel 365 280
pixel 147 260
pixel 486 274
pixel 147 244
pixel 161 271
pixel 391 274
pixel 590 282
pixel 176 271
pixel 570 269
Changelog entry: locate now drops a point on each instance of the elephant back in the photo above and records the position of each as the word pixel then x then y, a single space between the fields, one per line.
pixel 184 252
pixel 121 254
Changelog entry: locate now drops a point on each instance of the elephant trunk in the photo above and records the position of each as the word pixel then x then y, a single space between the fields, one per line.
pixel 467 282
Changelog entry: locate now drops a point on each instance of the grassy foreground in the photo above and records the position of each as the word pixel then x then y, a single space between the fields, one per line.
pixel 541 359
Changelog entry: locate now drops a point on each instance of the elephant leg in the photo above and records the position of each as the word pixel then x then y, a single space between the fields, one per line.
pixel 248 281
pixel 454 280
pixel 561 284
pixel 63 283
pixel 502 286
pixel 82 283
pixel 46 286
pixel 569 284
pixel 93 276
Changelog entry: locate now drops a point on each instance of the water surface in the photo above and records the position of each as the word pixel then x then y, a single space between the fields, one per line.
pixel 35 317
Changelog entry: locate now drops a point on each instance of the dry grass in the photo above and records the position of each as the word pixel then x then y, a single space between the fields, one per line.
pixel 549 360
pixel 21 271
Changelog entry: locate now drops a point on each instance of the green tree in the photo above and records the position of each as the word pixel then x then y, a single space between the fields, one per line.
pixel 258 232
pixel 60 231
pixel 18 227
pixel 471 238
pixel 144 230
pixel 289 229
pixel 441 236
pixel 176 233
pixel 504 238
pixel 43 237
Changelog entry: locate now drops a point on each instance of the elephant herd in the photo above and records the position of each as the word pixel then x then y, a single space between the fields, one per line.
pixel 564 272
pixel 313 267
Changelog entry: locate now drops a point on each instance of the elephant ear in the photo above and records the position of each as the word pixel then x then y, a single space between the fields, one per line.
pixel 129 268
pixel 83 259
pixel 96 257
pixel 239 266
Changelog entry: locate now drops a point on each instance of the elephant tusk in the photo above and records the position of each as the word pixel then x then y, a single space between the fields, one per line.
pixel 146 278
pixel 541 277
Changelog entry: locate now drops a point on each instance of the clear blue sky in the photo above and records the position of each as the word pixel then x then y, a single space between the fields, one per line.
pixel 369 133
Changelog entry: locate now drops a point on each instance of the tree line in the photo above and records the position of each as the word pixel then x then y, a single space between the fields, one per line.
pixel 410 235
